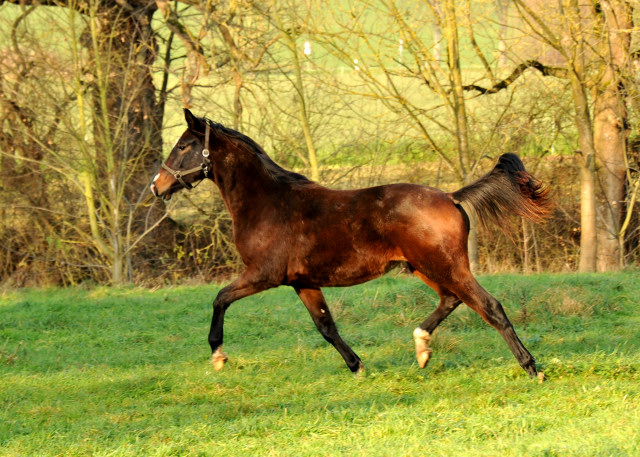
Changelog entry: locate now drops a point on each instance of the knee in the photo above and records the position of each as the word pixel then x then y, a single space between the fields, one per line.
pixel 220 304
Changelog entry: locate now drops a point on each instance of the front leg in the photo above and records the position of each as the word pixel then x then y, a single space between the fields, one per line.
pixel 314 300
pixel 246 285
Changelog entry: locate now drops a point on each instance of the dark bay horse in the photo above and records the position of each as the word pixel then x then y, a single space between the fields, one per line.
pixel 292 231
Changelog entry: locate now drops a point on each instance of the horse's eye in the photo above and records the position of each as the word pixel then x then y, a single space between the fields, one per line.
pixel 181 147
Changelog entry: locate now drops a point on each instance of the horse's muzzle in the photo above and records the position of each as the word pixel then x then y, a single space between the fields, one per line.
pixel 154 191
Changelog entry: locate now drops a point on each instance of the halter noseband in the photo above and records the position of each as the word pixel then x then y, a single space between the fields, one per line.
pixel 204 166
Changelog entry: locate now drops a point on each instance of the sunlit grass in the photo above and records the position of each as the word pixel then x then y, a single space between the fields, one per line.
pixel 124 372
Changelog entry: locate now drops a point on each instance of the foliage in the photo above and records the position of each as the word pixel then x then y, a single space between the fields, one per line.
pixel 124 372
pixel 79 144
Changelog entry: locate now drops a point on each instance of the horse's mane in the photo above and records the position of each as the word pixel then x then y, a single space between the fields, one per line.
pixel 274 170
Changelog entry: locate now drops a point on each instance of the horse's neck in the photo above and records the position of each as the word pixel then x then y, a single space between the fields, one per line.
pixel 245 185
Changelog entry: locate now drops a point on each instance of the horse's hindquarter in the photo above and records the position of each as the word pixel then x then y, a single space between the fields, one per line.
pixel 341 238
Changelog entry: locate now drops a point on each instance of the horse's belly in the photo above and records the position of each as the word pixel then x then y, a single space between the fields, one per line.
pixel 325 270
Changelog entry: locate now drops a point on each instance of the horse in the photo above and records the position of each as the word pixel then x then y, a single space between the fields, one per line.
pixel 289 230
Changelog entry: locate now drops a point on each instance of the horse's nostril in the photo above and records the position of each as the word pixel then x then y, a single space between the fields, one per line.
pixel 153 190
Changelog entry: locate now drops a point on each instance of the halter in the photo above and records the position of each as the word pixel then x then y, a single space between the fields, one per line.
pixel 204 166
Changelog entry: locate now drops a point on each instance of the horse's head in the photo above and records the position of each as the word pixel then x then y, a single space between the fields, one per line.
pixel 188 161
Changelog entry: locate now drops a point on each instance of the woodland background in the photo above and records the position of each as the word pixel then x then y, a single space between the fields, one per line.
pixel 352 93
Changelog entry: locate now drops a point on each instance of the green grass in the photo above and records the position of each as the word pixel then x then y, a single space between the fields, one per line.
pixel 125 372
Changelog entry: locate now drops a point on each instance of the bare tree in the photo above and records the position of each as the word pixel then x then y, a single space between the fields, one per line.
pixel 288 20
pixel 30 115
pixel 594 43
pixel 611 127
pixel 427 93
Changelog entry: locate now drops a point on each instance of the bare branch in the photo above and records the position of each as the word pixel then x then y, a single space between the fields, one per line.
pixel 546 70
pixel 474 43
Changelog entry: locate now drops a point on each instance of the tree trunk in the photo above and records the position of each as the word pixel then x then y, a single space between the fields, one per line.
pixel 610 132
pixel 460 116
pixel 127 124
pixel 575 54
pixel 610 143
pixel 526 248
pixel 588 241
pixel 135 115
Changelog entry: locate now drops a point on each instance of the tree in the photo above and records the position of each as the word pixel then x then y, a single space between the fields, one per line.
pixel 28 123
pixel 425 92
pixel 288 26
pixel 255 47
pixel 245 40
pixel 611 128
pixel 114 122
pixel 594 44
pixel 102 141
pixel 115 112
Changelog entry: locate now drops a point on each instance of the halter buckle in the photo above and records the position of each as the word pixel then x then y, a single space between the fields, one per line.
pixel 205 153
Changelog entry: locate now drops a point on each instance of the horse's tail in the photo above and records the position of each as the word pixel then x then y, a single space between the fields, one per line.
pixel 507 189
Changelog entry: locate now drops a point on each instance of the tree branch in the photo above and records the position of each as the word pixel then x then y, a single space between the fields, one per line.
pixel 173 23
pixel 558 72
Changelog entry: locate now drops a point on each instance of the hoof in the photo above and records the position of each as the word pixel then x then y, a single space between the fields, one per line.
pixel 218 359
pixel 423 358
pixel 540 377
pixel 361 371
pixel 423 351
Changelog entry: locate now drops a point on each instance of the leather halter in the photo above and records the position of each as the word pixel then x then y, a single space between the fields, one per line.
pixel 203 167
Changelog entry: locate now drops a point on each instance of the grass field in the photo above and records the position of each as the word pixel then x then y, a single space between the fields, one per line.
pixel 124 372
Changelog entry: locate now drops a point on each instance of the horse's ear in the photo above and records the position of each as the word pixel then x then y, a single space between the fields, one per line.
pixel 193 122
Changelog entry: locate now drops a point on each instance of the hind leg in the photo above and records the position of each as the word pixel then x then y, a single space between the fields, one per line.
pixel 490 309
pixel 460 285
pixel 422 334
pixel 436 246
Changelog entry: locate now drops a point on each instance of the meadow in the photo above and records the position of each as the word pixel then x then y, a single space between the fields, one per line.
pixel 124 372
